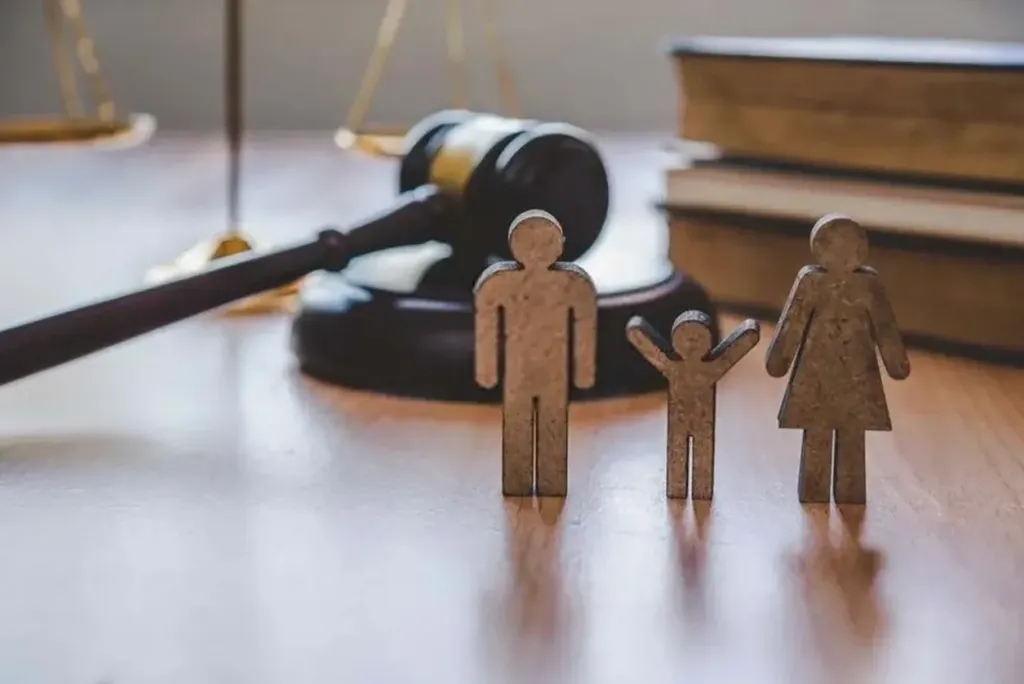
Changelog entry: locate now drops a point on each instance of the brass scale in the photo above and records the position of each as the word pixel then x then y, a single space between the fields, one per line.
pixel 106 125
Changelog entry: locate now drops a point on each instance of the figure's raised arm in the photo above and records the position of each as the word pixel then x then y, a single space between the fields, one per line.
pixel 790 329
pixel 488 310
pixel 584 328
pixel 738 344
pixel 887 333
pixel 649 343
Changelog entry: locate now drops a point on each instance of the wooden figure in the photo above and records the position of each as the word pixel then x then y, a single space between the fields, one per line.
pixel 693 370
pixel 836 315
pixel 529 311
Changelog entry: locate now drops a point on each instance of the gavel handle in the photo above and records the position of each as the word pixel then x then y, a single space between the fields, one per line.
pixel 47 342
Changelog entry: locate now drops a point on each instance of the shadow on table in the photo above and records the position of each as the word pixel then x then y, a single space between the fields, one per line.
pixel 72 452
pixel 531 627
pixel 839 618
pixel 690 522
pixel 131 450
pixel 86 463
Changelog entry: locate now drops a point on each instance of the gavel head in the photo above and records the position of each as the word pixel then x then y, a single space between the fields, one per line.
pixel 499 167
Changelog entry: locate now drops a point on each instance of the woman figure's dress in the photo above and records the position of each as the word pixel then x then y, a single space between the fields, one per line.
pixel 836 380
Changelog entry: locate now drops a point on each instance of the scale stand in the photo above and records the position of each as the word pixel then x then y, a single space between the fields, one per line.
pixel 233 241
pixel 387 142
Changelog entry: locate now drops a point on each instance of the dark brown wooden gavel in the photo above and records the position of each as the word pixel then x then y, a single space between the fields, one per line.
pixel 463 180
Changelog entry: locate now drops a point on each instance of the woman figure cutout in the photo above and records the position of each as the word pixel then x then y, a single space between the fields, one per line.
pixel 836 315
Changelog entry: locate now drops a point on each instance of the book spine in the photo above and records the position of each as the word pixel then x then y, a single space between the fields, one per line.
pixel 891 120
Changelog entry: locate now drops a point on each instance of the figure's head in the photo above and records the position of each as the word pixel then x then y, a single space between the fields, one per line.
pixel 691 334
pixel 839 243
pixel 535 239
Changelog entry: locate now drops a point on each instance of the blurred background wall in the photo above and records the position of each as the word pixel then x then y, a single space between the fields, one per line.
pixel 597 63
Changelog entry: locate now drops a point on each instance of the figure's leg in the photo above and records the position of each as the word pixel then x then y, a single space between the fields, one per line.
pixel 815 480
pixel 552 444
pixel 517 421
pixel 849 472
pixel 703 485
pixel 677 465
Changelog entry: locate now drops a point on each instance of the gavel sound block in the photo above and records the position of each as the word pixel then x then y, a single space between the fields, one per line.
pixel 403 323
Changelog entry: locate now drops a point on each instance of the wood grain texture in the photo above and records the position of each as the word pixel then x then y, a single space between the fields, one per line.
pixel 535 320
pixel 187 508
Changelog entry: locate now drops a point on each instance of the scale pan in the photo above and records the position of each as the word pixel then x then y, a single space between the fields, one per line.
pixel 137 129
pixel 382 143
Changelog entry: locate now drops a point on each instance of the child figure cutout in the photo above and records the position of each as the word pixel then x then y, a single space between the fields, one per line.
pixel 836 315
pixel 693 370
pixel 529 311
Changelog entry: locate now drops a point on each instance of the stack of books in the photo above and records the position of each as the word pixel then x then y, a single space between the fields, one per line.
pixel 921 142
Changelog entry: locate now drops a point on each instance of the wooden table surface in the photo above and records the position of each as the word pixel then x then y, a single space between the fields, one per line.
pixel 187 508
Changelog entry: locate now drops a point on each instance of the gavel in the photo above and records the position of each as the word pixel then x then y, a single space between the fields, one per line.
pixel 463 179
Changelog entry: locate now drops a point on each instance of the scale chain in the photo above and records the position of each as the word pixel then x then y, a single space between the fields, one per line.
pixel 386 33
pixel 63 15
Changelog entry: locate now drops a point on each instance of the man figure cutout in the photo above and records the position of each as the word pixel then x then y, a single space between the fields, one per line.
pixel 540 315
pixel 693 369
